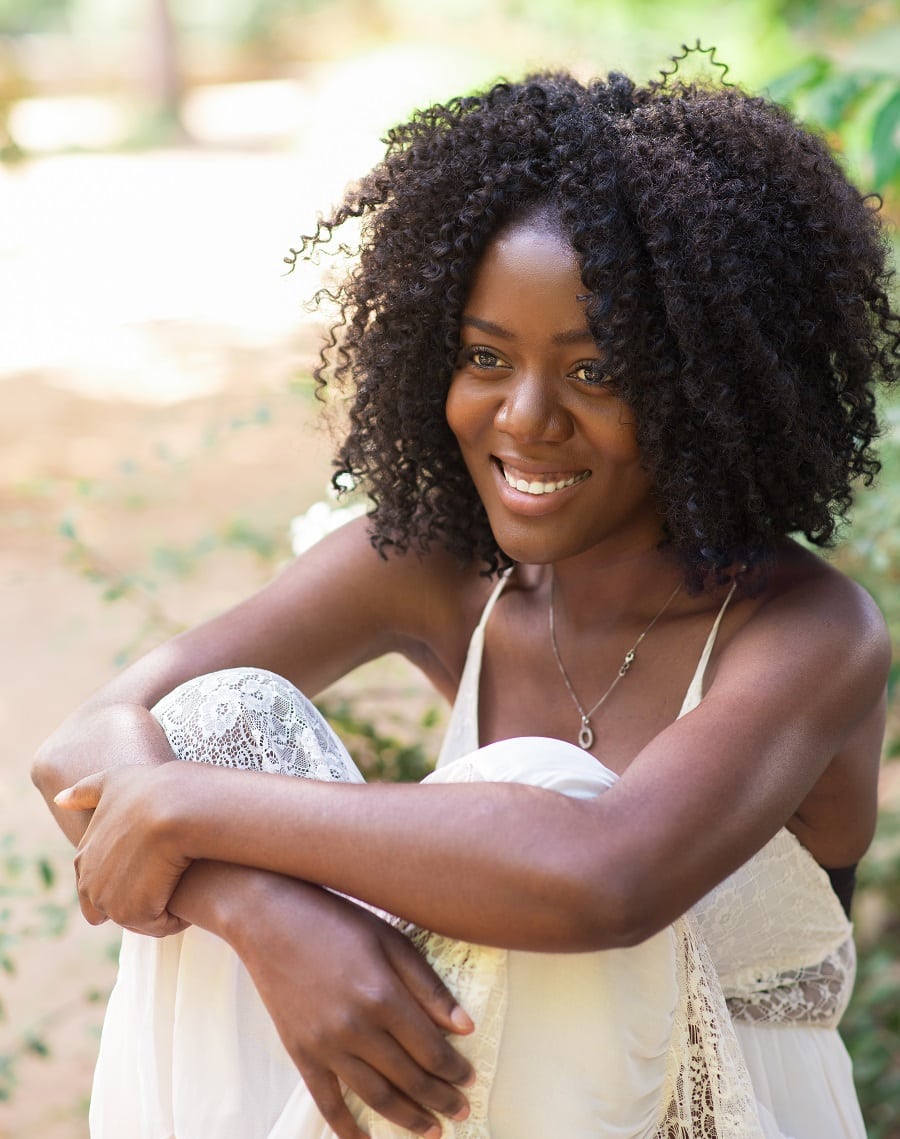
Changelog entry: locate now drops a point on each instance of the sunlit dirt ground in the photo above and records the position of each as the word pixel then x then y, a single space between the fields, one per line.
pixel 154 427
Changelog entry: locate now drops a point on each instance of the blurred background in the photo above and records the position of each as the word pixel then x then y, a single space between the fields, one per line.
pixel 158 158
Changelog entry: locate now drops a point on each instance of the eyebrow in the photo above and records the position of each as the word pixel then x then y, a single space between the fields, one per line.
pixel 570 336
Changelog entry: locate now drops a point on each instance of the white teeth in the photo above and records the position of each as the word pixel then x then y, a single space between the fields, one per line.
pixel 536 487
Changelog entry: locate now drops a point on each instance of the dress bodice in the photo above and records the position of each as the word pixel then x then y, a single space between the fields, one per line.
pixel 775 929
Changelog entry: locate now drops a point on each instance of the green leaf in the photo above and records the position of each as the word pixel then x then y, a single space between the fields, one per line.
pixel 886 142
pixel 830 100
pixel 807 74
pixel 55 918
pixel 36 1045
pixel 46 872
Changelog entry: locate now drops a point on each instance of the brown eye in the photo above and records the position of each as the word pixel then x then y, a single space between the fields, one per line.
pixel 484 358
pixel 590 372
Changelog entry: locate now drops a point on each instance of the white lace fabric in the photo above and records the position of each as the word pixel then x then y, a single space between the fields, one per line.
pixel 253 719
pixel 256 720
pixel 790 963
pixel 709 1094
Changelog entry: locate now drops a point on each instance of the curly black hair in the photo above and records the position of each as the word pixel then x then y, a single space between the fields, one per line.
pixel 738 296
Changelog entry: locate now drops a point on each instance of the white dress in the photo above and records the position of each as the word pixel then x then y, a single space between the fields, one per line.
pixel 621 1044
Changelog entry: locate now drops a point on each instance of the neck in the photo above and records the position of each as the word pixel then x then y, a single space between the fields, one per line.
pixel 592 589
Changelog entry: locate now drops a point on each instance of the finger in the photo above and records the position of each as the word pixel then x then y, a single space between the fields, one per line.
pixel 414 1082
pixel 326 1091
pixel 162 926
pixel 83 795
pixel 154 931
pixel 431 1071
pixel 90 912
pixel 387 1100
pixel 428 989
pixel 418 1031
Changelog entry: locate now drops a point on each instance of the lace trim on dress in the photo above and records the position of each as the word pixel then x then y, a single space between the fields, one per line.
pixel 816 994
pixel 253 719
pixel 791 963
pixel 709 1094
pixel 477 977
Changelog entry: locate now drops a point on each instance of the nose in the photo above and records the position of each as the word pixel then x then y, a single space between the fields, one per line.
pixel 531 411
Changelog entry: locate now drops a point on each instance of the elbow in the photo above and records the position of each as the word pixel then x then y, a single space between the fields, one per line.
pixel 618 922
pixel 45 773
pixel 606 909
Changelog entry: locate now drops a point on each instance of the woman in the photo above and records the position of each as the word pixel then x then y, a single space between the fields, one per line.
pixel 622 343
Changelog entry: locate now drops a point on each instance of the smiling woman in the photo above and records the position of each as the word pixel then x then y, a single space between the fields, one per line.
pixel 610 346
pixel 539 424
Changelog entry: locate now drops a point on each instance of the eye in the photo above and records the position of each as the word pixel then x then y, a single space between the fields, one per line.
pixel 481 357
pixel 590 372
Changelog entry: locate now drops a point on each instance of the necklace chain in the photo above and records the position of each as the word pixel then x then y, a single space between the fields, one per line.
pixel 586 732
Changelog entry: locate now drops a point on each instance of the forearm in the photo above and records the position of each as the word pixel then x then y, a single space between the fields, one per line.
pixel 485 878
pixel 221 897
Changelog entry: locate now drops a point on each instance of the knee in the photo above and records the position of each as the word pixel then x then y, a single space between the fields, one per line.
pixel 253 719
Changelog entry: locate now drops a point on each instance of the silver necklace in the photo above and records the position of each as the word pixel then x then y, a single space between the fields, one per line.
pixel 586 732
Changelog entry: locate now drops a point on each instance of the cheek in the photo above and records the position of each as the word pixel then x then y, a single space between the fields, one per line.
pixel 613 434
pixel 626 445
pixel 461 412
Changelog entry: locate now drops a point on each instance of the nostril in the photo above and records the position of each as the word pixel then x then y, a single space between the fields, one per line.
pixel 530 412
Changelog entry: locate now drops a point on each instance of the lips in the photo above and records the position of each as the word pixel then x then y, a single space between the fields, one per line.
pixel 539 482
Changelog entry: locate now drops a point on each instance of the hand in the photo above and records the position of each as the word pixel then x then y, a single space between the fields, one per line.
pixel 353 1003
pixel 126 867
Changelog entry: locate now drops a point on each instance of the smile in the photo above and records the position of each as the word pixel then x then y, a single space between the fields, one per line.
pixel 545 484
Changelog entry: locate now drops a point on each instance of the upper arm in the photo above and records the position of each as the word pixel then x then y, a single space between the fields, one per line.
pixel 333 608
pixel 802 682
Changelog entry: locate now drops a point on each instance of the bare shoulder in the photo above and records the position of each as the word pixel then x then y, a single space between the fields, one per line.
pixel 421 604
pixel 816 637
pixel 808 598
pixel 416 592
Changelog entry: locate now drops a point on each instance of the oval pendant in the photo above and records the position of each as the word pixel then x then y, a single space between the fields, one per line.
pixel 585 736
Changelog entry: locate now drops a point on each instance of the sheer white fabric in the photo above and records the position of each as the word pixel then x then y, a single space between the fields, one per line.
pixel 252 719
pixel 780 943
pixel 794 961
pixel 783 949
pixel 630 1044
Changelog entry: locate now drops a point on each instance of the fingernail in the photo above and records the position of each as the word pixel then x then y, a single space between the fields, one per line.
pixel 461 1020
pixel 433 1132
pixel 66 794
pixel 463 1113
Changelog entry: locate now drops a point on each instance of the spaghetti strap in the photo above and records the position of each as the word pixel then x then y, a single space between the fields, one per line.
pixel 492 600
pixel 461 736
pixel 694 694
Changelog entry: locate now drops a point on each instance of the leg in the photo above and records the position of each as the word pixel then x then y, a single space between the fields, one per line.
pixel 188 1048
pixel 256 720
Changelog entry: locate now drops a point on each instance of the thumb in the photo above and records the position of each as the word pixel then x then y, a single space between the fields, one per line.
pixel 83 795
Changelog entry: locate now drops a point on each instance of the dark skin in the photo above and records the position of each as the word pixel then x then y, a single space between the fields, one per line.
pixel 783 737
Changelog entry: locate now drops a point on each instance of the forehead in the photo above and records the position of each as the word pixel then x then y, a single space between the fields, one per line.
pixel 528 273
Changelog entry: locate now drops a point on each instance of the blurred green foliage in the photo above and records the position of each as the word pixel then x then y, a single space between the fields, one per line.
pixel 857 107
pixel 31 908
pixel 836 63
pixel 23 17
pixel 871 1026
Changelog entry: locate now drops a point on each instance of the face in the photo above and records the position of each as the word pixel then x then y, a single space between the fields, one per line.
pixel 549 445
